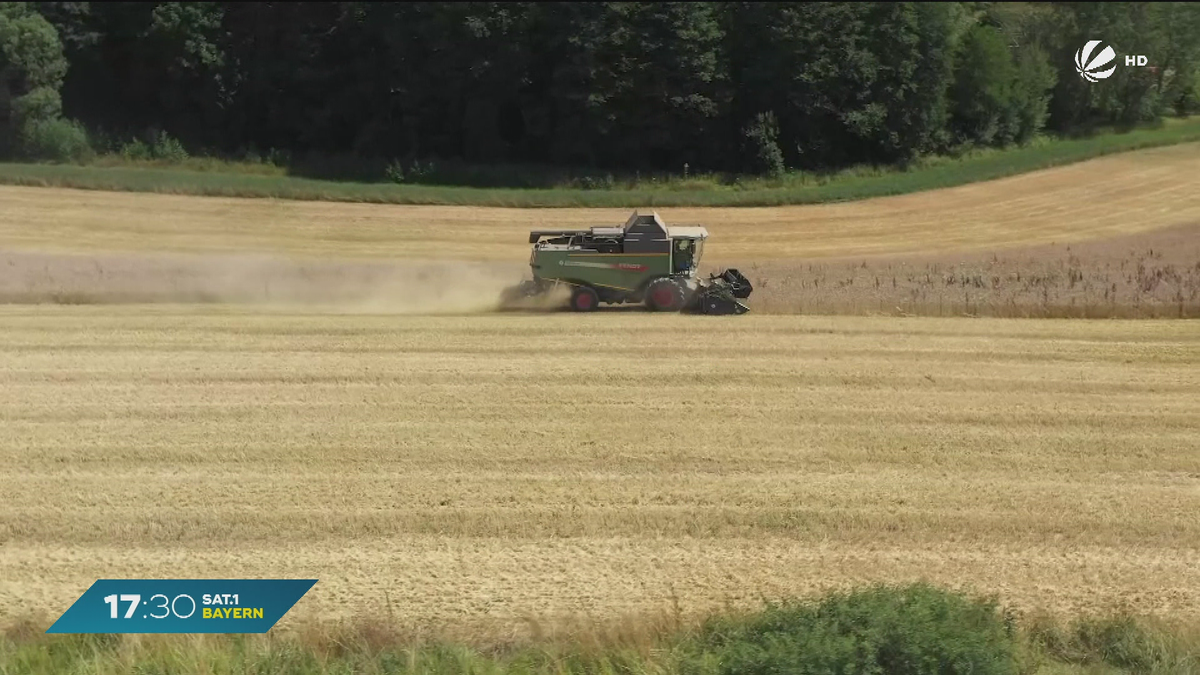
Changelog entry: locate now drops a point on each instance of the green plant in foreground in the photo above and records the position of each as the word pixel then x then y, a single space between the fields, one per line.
pixel 881 630
pixel 1122 641
pixel 877 631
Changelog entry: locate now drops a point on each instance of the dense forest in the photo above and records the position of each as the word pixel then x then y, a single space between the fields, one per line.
pixel 755 88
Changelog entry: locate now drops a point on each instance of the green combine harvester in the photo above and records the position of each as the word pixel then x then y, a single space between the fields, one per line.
pixel 643 262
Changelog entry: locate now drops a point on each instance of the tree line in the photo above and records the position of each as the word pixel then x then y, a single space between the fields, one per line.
pixel 746 87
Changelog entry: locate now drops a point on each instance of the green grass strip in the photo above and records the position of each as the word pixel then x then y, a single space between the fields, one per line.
pixel 231 180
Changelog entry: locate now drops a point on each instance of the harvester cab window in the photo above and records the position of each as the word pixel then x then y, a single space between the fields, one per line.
pixel 684 254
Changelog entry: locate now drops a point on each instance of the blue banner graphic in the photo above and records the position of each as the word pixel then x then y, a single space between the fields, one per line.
pixel 182 606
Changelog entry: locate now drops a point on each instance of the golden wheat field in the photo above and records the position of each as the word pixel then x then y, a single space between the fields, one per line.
pixel 476 470
pixel 1115 195
pixel 242 413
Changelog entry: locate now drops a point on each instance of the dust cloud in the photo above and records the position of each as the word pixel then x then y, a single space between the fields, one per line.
pixel 403 286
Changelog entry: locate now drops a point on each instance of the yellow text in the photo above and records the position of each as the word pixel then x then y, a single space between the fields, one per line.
pixel 232 612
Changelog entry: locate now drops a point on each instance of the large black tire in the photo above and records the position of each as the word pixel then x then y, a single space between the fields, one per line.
pixel 584 299
pixel 665 295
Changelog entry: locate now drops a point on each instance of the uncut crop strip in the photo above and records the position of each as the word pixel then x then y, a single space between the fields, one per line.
pixel 471 471
pixel 1148 275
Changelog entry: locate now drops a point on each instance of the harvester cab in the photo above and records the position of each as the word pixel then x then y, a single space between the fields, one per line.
pixel 643 262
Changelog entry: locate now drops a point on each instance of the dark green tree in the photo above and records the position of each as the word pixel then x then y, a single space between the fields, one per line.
pixel 32 67
pixel 460 91
pixel 761 146
pixel 1175 54
pixel 982 94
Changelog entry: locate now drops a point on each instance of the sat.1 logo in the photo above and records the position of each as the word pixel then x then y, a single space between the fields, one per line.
pixel 1092 68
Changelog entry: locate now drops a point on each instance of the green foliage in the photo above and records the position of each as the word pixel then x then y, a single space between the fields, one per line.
pixel 828 71
pixel 878 630
pixel 166 148
pixel 188 30
pixel 1164 32
pixel 940 29
pixel 762 146
pixel 136 150
pixel 161 147
pixel 1121 641
pixel 984 77
pixel 1175 46
pixel 29 45
pixel 911 42
pixel 593 88
pixel 1189 102
pixel 1000 93
pixel 32 67
pixel 1029 106
pixel 201 176
pixel 910 630
pixel 415 172
pixel 56 140
pixel 42 103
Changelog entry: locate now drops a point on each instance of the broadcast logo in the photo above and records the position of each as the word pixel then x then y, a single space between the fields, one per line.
pixel 181 606
pixel 1089 68
pixel 1094 66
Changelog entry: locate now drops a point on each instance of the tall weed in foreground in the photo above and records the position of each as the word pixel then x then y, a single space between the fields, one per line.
pixel 1123 641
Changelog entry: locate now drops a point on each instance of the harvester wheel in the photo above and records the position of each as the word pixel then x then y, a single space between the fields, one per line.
pixel 584 299
pixel 664 295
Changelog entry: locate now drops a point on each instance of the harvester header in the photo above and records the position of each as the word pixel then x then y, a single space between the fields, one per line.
pixel 645 261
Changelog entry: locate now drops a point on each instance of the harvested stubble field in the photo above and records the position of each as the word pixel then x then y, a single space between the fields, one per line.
pixel 467 472
pixel 304 414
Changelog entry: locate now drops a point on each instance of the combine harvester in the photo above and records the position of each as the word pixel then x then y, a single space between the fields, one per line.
pixel 645 261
